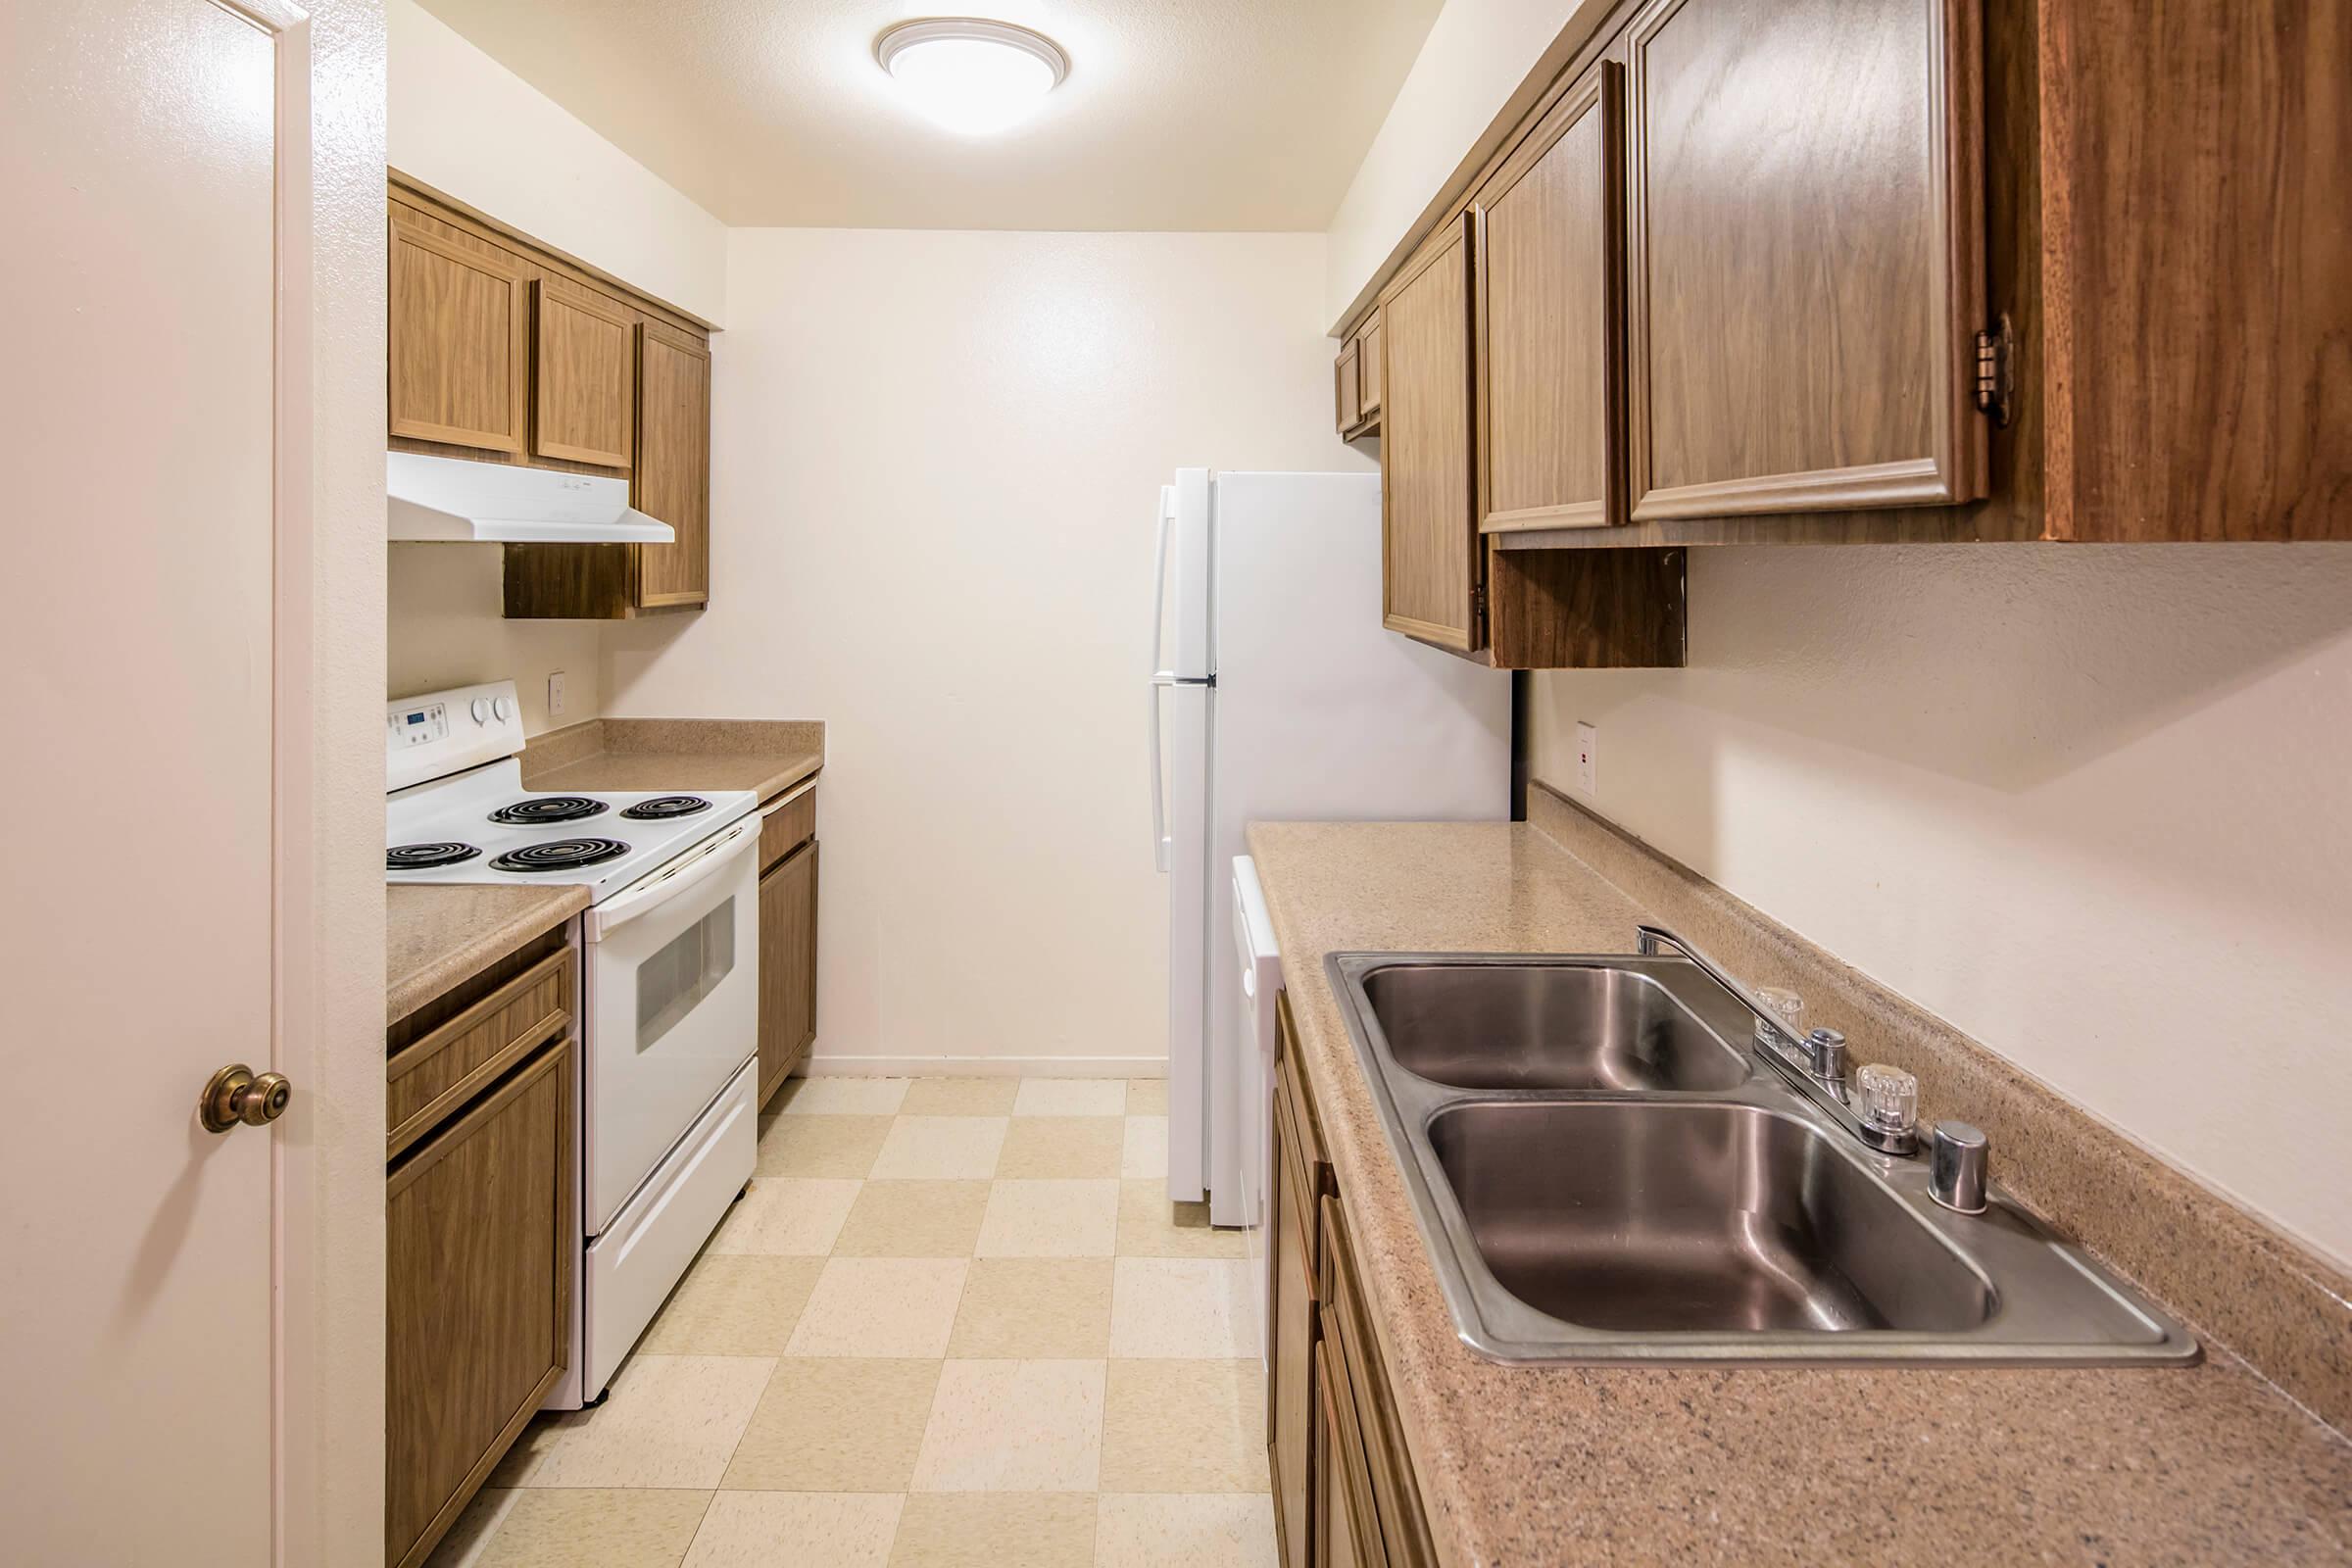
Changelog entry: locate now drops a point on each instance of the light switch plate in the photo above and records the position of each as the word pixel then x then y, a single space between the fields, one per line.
pixel 555 693
pixel 1587 757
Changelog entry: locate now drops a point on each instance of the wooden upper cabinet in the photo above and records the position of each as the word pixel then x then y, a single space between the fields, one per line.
pixel 458 333
pixel 584 367
pixel 1428 524
pixel 1551 350
pixel 1367 370
pixel 1347 386
pixel 673 477
pixel 1805 271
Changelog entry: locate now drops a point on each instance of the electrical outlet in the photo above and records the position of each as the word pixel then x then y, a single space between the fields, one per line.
pixel 555 693
pixel 1588 759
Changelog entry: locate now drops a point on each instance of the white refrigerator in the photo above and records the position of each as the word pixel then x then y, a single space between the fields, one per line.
pixel 1277 695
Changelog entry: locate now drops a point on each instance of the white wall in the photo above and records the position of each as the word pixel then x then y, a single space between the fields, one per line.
pixel 446 604
pixel 332 1152
pixel 1477 54
pixel 935 457
pixel 471 128
pixel 2091 805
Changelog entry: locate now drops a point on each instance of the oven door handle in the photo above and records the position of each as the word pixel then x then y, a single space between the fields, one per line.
pixel 682 877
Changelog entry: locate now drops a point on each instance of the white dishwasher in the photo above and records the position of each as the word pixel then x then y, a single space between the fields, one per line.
pixel 1251 1075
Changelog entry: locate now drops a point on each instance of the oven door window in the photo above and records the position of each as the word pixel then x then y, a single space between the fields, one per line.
pixel 684 973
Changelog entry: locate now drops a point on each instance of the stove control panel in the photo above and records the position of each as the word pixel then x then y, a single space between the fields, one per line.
pixel 418 725
pixel 435 734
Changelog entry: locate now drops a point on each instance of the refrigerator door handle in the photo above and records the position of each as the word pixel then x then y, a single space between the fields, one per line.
pixel 1159 598
pixel 1160 794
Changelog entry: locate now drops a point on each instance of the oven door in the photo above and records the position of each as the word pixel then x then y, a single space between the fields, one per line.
pixel 674 1010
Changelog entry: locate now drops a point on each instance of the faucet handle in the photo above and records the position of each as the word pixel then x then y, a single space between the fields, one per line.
pixel 1824 1052
pixel 1956 1163
pixel 1886 1102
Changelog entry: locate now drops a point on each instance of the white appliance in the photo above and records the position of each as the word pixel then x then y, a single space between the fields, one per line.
pixel 1277 695
pixel 670 1012
pixel 1259 971
pixel 457 499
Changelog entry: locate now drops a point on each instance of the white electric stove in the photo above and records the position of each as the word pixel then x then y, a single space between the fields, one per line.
pixel 669 1014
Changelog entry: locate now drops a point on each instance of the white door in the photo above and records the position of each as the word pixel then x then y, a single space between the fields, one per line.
pixel 139 141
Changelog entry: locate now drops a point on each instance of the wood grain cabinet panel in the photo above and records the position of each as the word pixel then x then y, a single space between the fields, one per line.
pixel 1428 524
pixel 584 367
pixel 787 966
pixel 672 476
pixel 1291 1308
pixel 457 327
pixel 1806 267
pixel 2196 207
pixel 1347 384
pixel 1368 378
pixel 1345 1533
pixel 1550 350
pixel 479 1253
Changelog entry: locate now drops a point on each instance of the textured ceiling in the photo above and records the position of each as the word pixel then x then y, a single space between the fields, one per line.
pixel 1177 113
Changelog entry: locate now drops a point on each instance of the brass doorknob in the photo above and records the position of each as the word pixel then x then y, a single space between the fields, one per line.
pixel 237 1094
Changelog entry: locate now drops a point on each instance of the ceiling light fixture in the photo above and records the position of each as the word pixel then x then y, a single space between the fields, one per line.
pixel 970 75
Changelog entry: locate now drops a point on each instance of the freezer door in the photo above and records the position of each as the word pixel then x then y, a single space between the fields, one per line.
pixel 1187 713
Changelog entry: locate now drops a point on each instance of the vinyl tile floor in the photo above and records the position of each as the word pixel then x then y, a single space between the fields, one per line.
pixel 955 1321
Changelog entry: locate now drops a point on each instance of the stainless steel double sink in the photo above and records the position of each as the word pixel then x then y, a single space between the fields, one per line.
pixel 1605 1172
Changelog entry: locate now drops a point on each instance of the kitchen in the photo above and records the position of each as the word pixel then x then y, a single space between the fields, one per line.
pixel 1721 942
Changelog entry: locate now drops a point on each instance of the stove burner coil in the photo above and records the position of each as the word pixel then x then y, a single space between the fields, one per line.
pixel 560 854
pixel 425 856
pixel 547 809
pixel 664 806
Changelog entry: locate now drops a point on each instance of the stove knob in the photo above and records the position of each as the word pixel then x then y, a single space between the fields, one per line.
pixel 481 709
pixel 503 707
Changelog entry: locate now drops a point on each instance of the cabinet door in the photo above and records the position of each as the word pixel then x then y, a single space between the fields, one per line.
pixel 787 966
pixel 585 366
pixel 1806 276
pixel 1368 369
pixel 479 1252
pixel 1550 354
pixel 1291 1313
pixel 1347 386
pixel 1428 524
pixel 458 341
pixel 673 477
pixel 1345 1535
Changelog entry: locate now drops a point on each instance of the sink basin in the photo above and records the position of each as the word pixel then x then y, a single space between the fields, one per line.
pixel 1603 1171
pixel 1545 1026
pixel 1678 1217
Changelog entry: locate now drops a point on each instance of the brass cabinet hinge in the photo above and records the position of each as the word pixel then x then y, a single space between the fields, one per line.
pixel 1996 371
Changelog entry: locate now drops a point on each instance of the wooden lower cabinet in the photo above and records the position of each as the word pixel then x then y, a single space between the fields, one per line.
pixel 787 966
pixel 1291 1417
pixel 1343 1487
pixel 1344 1534
pixel 480 1249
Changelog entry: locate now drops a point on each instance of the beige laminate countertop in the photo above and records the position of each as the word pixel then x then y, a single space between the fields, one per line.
pixel 438 935
pixel 1526 1465
pixel 764 755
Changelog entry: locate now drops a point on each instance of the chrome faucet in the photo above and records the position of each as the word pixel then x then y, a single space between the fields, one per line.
pixel 1815 1066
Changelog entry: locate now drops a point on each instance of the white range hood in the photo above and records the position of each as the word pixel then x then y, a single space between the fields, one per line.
pixel 445 498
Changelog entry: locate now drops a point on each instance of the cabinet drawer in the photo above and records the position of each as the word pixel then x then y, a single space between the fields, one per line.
pixel 790 823
pixel 1312 1169
pixel 440 1072
pixel 480 1250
